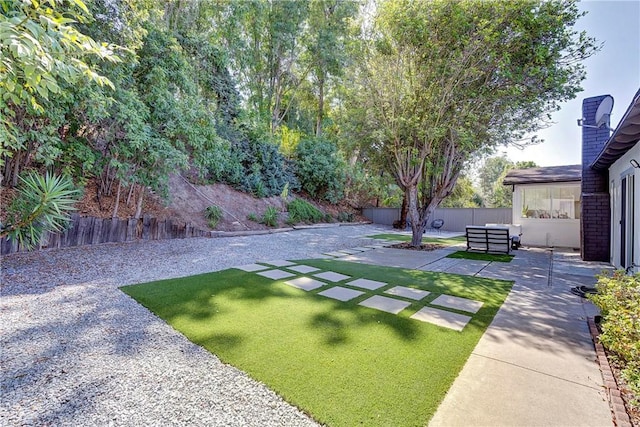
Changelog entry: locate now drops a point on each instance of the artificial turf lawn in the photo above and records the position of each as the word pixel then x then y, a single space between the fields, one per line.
pixel 447 241
pixel 481 256
pixel 342 363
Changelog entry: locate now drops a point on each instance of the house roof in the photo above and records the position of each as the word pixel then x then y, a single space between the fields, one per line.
pixel 624 137
pixel 544 175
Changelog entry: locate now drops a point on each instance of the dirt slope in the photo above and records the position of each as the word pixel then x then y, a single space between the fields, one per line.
pixel 188 202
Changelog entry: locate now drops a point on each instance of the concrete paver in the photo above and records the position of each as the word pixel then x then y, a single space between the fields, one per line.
pixel 275 274
pixel 366 284
pixel 446 319
pixel 331 276
pixel 340 293
pixel 303 269
pixel 305 283
pixel 390 305
pixel 457 303
pixel 411 293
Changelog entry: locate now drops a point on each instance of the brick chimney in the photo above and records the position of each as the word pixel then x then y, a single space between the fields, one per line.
pixel 595 220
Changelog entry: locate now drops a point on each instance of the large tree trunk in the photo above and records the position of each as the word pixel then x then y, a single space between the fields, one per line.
pixel 139 204
pixel 402 222
pixel 117 202
pixel 414 215
pixel 320 115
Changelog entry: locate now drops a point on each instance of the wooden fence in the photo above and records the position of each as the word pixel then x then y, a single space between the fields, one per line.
pixel 93 231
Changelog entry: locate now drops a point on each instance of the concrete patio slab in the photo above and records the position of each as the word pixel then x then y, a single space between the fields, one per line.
pixel 390 305
pixel 340 293
pixel 305 283
pixel 332 276
pixel 444 264
pixel 468 268
pixel 367 284
pixel 411 293
pixel 303 269
pixel 490 392
pixel 457 303
pixel 401 258
pixel 275 274
pixel 446 319
pixel 252 267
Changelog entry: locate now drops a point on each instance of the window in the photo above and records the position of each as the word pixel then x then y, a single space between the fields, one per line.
pixel 552 202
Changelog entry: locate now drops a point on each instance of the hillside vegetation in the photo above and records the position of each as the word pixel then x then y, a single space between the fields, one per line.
pixel 347 102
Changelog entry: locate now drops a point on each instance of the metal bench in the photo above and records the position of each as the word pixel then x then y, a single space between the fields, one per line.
pixel 488 239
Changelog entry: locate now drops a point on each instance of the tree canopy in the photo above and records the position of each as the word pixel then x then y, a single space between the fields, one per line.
pixel 445 80
pixel 331 97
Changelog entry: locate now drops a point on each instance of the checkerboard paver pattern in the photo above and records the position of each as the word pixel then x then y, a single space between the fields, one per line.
pixel 394 301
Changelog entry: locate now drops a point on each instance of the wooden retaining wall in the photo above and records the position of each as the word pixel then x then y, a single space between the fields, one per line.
pixel 93 231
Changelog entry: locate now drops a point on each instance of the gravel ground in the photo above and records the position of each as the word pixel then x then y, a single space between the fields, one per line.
pixel 75 350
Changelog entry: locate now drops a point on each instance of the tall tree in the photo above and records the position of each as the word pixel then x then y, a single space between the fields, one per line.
pixel 326 39
pixel 489 174
pixel 41 50
pixel 464 195
pixel 445 80
pixel 263 41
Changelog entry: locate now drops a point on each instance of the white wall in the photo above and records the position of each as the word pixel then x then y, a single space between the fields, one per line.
pixel 546 231
pixel 616 171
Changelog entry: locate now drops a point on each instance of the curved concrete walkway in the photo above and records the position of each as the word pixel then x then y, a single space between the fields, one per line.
pixel 536 364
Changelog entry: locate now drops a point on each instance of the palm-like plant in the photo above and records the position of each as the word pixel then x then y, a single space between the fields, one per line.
pixel 41 205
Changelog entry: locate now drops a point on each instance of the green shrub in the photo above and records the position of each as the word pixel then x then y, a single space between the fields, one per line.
pixel 214 214
pixel 320 170
pixel 303 211
pixel 253 217
pixel 345 217
pixel 618 298
pixel 270 217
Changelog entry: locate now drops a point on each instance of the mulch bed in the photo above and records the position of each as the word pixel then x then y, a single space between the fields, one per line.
pixel 422 247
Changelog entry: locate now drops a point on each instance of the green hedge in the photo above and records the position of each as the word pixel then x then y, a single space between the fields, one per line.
pixel 618 298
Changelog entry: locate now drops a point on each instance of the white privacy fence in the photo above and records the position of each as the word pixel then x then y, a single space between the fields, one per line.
pixel 455 219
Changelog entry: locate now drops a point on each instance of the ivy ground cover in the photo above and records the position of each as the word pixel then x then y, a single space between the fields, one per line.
pixel 342 363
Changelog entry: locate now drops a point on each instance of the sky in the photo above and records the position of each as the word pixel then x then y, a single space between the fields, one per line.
pixel 614 70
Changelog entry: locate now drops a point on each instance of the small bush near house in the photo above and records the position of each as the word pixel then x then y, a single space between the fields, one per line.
pixel 618 298
pixel 270 217
pixel 214 214
pixel 303 211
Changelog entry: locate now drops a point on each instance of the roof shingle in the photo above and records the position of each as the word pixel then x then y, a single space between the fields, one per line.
pixel 544 175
